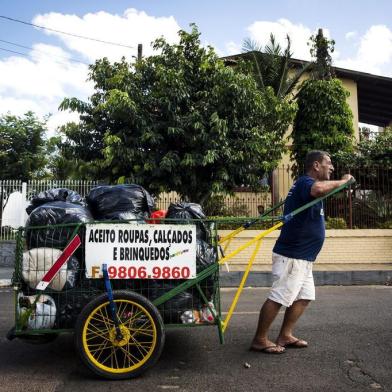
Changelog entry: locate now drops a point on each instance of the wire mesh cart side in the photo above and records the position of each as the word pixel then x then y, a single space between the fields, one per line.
pixel 119 324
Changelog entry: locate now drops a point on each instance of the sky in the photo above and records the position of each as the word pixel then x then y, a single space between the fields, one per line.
pixel 40 67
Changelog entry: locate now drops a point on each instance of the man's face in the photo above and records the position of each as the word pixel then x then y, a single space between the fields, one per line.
pixel 324 168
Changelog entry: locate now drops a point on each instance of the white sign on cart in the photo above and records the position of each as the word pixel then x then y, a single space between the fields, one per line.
pixel 141 251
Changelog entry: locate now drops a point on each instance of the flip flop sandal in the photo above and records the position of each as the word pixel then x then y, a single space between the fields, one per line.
pixel 267 350
pixel 296 344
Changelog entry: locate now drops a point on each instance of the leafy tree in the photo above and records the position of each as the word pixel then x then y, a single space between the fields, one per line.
pixel 364 133
pixel 321 47
pixel 324 118
pixel 378 150
pixel 271 66
pixel 369 152
pixel 323 121
pixel 371 164
pixel 59 166
pixel 179 120
pixel 22 147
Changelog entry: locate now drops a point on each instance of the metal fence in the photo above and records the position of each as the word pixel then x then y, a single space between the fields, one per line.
pixel 367 205
pixel 15 196
pixel 242 203
pixel 82 187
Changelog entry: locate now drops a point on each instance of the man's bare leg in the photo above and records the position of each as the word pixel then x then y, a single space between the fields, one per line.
pixel 292 314
pixel 268 313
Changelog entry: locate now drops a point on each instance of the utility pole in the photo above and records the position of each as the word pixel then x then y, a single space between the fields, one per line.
pixel 139 51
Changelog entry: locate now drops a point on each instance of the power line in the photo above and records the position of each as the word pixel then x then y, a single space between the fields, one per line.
pixel 41 51
pixel 66 33
pixel 29 55
pixel 14 51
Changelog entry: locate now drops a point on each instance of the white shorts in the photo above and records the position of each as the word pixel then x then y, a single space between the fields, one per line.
pixel 292 280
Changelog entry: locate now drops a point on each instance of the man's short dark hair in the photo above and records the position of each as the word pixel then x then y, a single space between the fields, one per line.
pixel 313 156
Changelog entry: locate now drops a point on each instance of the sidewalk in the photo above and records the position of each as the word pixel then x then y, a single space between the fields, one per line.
pixel 324 275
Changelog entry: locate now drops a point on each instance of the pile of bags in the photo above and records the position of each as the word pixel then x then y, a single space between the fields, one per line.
pixel 70 291
pixel 120 202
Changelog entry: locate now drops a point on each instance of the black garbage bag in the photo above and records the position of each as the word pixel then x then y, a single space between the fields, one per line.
pixel 185 211
pixel 112 202
pixel 69 306
pixel 55 194
pixel 172 309
pixel 205 256
pixel 123 215
pixel 54 213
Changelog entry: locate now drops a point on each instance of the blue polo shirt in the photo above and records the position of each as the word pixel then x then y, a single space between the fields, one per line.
pixel 303 236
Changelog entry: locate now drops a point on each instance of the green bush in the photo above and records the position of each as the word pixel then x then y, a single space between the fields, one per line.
pixel 386 225
pixel 216 206
pixel 335 223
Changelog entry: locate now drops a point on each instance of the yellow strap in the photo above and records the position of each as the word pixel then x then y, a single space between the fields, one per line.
pixel 257 240
pixel 231 235
pixel 241 286
pixel 227 245
pixel 252 241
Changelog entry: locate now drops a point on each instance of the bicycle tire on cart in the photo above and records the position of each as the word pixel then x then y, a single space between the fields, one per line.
pixel 142 330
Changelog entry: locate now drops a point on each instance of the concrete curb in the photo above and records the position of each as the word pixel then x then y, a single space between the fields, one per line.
pixel 5 282
pixel 321 278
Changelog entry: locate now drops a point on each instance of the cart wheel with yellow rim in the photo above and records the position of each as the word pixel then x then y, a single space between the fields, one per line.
pixel 124 347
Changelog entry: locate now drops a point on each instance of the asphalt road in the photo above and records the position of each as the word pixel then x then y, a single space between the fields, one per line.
pixel 349 330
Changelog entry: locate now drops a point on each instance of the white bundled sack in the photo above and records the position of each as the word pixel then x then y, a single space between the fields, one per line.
pixel 38 261
pixel 41 315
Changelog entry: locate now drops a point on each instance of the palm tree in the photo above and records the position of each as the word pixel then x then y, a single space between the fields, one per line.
pixel 271 66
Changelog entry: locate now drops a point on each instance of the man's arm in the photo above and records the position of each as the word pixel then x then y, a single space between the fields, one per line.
pixel 321 188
